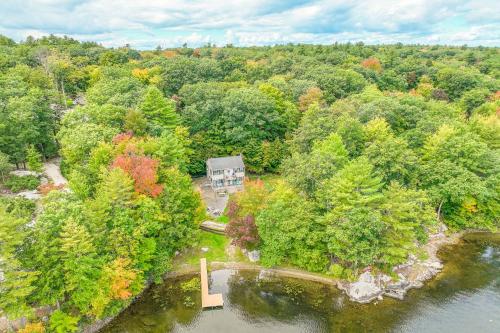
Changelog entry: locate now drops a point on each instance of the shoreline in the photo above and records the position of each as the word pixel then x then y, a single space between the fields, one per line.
pixel 415 272
pixel 368 288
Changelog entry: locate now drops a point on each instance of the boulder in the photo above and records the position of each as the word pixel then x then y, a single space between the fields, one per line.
pixel 397 289
pixel 31 195
pixel 254 255
pixel 24 173
pixel 366 277
pixel 363 292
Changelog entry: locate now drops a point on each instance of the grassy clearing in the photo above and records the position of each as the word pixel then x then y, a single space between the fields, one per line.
pixel 216 245
pixel 269 179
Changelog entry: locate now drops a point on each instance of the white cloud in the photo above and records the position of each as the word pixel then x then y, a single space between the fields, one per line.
pixel 255 22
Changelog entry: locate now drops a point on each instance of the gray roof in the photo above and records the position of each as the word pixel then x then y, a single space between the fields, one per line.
pixel 228 162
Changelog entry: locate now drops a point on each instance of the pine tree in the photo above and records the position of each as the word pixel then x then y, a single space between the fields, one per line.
pixel 16 283
pixel 406 215
pixel 353 222
pixel 353 186
pixel 4 165
pixel 81 268
pixel 159 111
pixel 34 159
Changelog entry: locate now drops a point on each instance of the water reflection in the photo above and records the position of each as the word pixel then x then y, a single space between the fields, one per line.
pixel 465 297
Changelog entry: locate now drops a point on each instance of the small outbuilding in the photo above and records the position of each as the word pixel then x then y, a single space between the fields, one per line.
pixel 226 173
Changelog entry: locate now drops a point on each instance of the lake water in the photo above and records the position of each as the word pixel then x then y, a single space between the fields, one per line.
pixel 465 297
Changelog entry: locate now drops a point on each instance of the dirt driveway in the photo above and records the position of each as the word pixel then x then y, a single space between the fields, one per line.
pixel 214 202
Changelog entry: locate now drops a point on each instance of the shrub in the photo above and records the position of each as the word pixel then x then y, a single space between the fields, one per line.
pixel 61 322
pixel 17 184
pixel 33 328
pixel 337 271
pixel 46 188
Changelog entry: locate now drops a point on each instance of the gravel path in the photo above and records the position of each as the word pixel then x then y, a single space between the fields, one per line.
pixel 53 171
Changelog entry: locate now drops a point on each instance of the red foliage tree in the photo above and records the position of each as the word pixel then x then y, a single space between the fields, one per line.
pixel 242 230
pixel 143 171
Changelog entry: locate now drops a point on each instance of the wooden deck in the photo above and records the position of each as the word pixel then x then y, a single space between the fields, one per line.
pixel 207 300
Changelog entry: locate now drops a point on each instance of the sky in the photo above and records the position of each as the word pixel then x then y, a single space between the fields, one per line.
pixel 145 24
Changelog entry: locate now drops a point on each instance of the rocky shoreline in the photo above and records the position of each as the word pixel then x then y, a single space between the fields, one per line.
pixel 368 287
pixel 411 274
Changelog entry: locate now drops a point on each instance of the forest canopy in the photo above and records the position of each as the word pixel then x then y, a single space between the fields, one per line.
pixel 375 146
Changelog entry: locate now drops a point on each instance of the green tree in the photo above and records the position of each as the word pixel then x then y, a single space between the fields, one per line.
pixel 307 171
pixel 135 122
pixel 336 82
pixel 250 114
pixel 356 237
pixel 456 81
pixel 77 142
pixel 81 267
pixel 121 91
pixel 34 159
pixel 58 208
pixel 4 165
pixel 290 232
pixel 61 322
pixel 391 156
pixel 17 284
pixel 159 111
pixel 473 99
pixel 407 216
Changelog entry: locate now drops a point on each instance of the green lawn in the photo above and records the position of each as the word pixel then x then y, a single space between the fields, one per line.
pixel 216 245
pixel 223 219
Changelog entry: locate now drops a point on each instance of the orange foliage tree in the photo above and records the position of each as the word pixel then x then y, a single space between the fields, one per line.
pixel 143 171
pixel 373 64
pixel 121 278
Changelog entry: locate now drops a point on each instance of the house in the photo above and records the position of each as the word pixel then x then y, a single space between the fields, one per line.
pixel 226 173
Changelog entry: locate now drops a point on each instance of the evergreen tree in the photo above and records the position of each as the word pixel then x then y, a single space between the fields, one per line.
pixel 353 186
pixel 353 222
pixel 355 237
pixel 34 159
pixel 16 282
pixel 4 165
pixel 81 269
pixel 307 171
pixel 407 216
pixel 159 111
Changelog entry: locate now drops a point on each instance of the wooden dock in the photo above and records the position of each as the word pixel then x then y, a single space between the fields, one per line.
pixel 207 300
